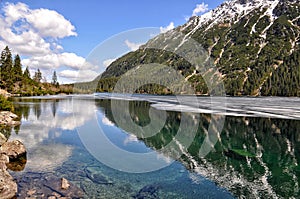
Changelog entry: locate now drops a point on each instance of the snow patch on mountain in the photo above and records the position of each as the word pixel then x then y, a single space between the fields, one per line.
pixel 232 11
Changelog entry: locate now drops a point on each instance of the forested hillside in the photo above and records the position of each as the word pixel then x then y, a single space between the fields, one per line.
pixel 254 44
pixel 18 82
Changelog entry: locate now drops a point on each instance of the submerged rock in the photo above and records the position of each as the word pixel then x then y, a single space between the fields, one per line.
pixel 96 176
pixel 65 184
pixel 149 192
pixel 17 164
pixel 43 185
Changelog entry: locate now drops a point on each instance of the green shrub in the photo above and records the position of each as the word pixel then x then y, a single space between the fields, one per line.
pixel 5 105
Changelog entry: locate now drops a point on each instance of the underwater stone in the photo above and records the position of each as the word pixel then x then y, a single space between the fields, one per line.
pixel 65 183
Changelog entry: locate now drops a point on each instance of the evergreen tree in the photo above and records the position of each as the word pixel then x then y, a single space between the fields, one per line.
pixel 26 74
pixel 6 68
pixel 17 69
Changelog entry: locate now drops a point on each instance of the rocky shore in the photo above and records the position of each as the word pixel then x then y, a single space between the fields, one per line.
pixel 32 185
pixel 12 157
pixel 8 118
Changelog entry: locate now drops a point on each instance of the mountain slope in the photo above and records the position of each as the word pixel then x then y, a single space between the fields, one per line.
pixel 253 43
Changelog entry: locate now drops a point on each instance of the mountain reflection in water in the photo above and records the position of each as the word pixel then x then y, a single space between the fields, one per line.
pixel 254 157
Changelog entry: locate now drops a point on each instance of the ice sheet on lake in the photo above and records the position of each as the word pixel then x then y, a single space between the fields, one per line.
pixel 271 107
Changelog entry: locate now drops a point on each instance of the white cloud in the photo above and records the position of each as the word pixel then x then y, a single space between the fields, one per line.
pixel 50 23
pixel 72 60
pixel 35 33
pixel 52 155
pixel 52 61
pixel 13 12
pixel 72 74
pixel 130 138
pixel 107 122
pixel 132 46
pixel 78 76
pixel 26 42
pixel 107 62
pixel 167 28
pixel 200 8
pixel 47 23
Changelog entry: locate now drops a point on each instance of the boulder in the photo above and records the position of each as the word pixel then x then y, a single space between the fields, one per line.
pixel 3 166
pixel 13 149
pixel 8 118
pixel 11 154
pixel 3 139
pixel 4 160
pixel 8 187
pixel 11 115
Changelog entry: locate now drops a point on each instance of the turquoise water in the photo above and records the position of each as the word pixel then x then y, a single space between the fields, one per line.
pixel 152 147
pixel 62 140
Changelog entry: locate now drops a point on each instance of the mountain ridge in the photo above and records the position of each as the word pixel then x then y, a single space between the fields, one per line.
pixel 254 45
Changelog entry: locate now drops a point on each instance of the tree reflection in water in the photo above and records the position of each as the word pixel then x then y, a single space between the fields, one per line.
pixel 254 157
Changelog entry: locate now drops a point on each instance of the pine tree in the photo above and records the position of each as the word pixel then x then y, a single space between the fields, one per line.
pixel 6 68
pixel 26 74
pixel 17 69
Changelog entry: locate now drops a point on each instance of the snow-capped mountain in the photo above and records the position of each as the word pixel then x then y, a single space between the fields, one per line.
pixel 233 11
pixel 253 43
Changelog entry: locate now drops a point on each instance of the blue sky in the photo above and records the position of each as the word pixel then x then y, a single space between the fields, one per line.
pixel 83 24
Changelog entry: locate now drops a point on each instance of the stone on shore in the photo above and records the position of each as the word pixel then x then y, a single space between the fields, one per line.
pixel 13 149
pixel 8 118
pixel 3 161
pixel 8 187
pixel 3 139
pixel 10 153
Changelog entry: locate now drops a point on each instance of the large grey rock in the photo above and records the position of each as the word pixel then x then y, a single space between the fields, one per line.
pixel 13 149
pixel 4 159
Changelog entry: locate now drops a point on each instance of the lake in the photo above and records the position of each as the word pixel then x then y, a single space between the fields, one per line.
pixel 147 146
